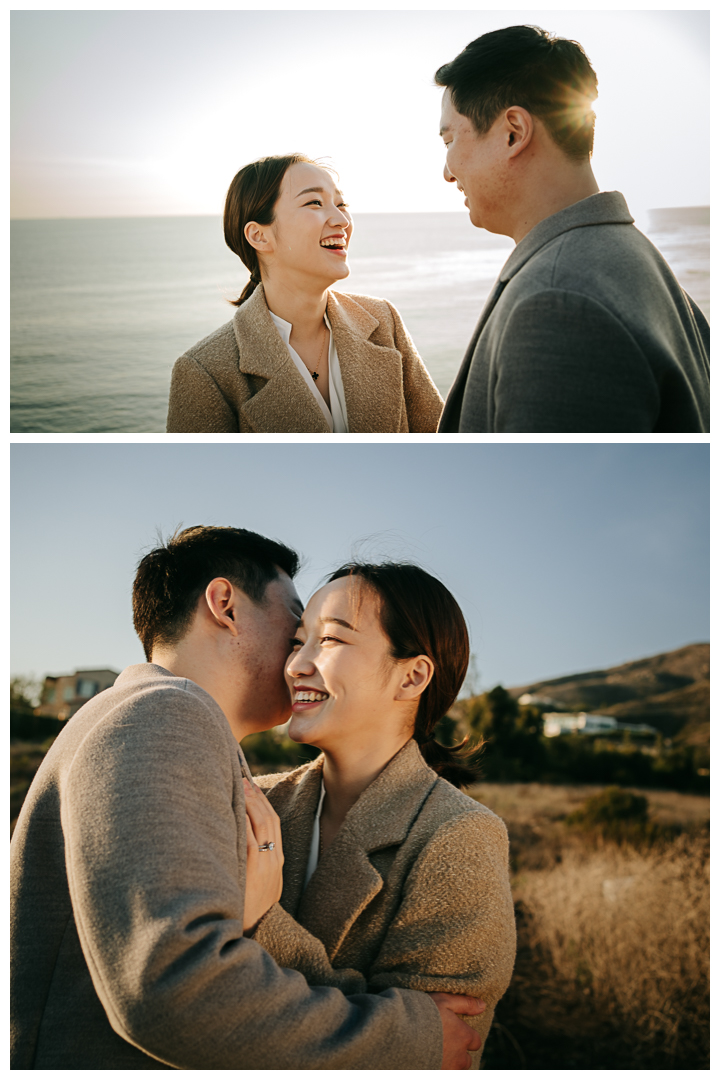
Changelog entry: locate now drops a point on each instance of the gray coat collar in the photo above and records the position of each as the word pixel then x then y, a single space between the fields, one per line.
pixel 604 208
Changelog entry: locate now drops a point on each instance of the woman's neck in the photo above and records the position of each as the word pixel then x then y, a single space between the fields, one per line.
pixel 346 776
pixel 299 304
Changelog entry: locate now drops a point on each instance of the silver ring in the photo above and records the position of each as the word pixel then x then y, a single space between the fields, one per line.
pixel 266 847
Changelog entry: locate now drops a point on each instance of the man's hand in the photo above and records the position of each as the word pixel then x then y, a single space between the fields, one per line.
pixel 264 881
pixel 458 1038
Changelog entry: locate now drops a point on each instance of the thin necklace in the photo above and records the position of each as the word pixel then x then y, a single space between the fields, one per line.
pixel 316 374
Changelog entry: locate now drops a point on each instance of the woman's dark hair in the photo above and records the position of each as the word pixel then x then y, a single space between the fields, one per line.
pixel 420 616
pixel 252 196
pixel 171 579
pixel 549 76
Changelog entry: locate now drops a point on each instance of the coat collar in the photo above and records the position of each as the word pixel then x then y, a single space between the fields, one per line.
pixel 345 880
pixel 371 374
pixel 262 352
pixel 604 208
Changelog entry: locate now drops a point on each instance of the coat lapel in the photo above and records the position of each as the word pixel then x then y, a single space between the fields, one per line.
pixel 295 802
pixel 284 402
pixel 345 880
pixel 372 374
pixel 450 419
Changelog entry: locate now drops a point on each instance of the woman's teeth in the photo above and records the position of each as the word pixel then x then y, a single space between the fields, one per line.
pixel 333 242
pixel 308 695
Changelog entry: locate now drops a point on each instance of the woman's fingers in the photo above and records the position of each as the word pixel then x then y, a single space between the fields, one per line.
pixel 265 822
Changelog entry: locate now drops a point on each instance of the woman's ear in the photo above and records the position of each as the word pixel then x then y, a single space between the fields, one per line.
pixel 258 236
pixel 417 673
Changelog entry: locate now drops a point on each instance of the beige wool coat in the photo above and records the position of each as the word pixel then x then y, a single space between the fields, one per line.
pixel 242 378
pixel 127 898
pixel 413 892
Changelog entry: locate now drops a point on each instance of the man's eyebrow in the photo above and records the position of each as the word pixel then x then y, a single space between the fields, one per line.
pixel 332 618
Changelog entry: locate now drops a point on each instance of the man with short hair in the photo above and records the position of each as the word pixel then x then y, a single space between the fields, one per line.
pixel 586 329
pixel 130 928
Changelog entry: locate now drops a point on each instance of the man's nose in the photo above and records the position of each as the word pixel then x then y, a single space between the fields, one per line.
pixel 448 175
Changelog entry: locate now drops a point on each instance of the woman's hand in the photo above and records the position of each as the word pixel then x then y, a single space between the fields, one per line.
pixel 264 880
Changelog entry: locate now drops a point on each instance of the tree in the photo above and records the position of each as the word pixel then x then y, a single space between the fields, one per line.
pixel 24 693
pixel 512 733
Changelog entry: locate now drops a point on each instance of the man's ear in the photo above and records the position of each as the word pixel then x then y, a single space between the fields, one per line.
pixel 259 237
pixel 221 599
pixel 519 130
pixel 416 676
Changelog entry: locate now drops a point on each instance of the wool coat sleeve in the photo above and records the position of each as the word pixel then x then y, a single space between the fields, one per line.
pixel 196 401
pixel 454 930
pixel 565 363
pixel 422 399
pixel 155 862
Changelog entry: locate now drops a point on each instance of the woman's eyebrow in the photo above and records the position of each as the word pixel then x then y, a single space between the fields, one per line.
pixel 319 190
pixel 332 618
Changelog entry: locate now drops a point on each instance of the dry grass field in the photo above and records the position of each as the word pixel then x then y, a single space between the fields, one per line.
pixel 612 967
pixel 612 964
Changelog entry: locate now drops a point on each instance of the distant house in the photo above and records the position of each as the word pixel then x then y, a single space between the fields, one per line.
pixel 537 700
pixel 63 695
pixel 589 724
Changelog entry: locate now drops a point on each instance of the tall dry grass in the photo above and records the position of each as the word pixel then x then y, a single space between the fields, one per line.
pixel 628 931
pixel 612 969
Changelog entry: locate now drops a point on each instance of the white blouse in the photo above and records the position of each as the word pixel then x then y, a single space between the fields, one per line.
pixel 336 415
pixel 315 842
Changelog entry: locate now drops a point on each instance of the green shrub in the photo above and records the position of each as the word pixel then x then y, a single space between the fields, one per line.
pixel 620 816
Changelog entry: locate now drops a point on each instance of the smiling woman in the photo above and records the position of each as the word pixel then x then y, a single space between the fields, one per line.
pixel 298 357
pixel 392 876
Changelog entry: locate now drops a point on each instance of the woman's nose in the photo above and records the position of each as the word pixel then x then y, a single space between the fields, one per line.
pixel 448 175
pixel 299 663
pixel 341 218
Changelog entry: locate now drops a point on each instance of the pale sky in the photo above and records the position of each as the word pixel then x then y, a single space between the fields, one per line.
pixel 564 558
pixel 130 113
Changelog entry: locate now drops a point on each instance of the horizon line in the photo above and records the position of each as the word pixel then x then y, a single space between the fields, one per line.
pixel 358 213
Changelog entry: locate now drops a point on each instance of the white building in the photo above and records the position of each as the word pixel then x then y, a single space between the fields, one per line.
pixel 589 724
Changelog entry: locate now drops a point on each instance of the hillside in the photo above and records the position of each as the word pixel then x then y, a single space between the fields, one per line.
pixel 670 691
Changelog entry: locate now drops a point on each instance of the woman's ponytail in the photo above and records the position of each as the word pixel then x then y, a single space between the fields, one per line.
pixel 459 765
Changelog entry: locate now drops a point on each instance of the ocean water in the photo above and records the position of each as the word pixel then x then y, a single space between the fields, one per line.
pixel 101 308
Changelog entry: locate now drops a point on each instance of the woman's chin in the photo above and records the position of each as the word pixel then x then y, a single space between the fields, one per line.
pixel 300 729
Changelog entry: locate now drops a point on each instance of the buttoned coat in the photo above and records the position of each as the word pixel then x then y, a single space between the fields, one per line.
pixel 413 891
pixel 586 330
pixel 127 897
pixel 243 379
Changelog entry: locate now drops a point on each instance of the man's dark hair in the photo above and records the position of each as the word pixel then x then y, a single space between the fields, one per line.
pixel 171 579
pixel 549 76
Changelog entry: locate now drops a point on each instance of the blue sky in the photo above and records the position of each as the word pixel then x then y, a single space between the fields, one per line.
pixel 122 113
pixel 563 557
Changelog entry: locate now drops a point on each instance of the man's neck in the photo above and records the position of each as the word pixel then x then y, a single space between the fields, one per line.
pixel 204 668
pixel 552 190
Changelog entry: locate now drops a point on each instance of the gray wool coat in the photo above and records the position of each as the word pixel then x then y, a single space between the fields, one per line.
pixel 127 896
pixel 586 330
pixel 242 378
pixel 413 892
